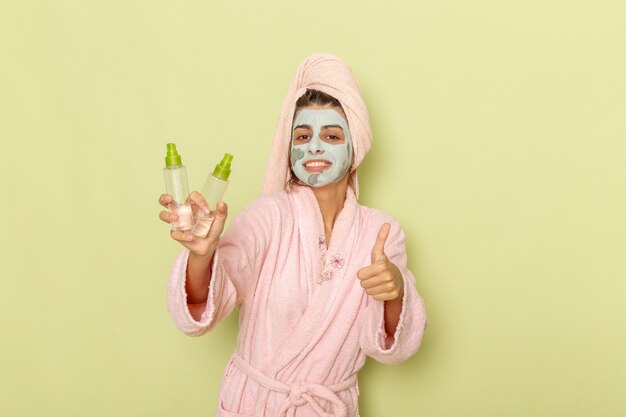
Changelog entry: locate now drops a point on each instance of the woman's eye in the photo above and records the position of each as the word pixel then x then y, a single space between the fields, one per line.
pixel 332 137
pixel 303 137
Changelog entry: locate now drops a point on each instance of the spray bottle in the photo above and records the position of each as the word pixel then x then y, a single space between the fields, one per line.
pixel 177 186
pixel 213 191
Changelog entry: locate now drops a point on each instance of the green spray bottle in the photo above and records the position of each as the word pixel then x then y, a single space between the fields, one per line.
pixel 177 186
pixel 213 191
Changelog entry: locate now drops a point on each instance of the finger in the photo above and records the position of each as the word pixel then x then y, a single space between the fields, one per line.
pixel 167 216
pixel 375 281
pixel 371 270
pixel 181 235
pixel 165 199
pixel 388 296
pixel 199 200
pixel 222 207
pixel 220 220
pixel 378 251
pixel 380 289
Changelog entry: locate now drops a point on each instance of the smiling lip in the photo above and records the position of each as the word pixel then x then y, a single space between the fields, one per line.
pixel 316 165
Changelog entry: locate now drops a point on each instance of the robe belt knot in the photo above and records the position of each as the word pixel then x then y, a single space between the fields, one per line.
pixel 298 395
pixel 295 395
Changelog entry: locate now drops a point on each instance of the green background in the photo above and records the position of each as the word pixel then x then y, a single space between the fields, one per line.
pixel 500 146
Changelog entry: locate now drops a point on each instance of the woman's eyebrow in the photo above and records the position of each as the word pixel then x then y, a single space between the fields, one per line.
pixel 328 126
pixel 302 127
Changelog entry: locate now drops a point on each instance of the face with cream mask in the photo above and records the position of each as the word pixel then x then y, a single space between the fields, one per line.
pixel 321 146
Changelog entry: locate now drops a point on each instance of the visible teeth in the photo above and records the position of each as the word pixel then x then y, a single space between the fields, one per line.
pixel 317 164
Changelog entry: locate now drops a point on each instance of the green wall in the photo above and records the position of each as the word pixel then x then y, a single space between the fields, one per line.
pixel 501 129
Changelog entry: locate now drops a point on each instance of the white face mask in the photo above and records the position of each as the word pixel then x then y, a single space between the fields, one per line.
pixel 316 160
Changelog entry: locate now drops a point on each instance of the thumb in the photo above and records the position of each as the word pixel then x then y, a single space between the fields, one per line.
pixel 378 251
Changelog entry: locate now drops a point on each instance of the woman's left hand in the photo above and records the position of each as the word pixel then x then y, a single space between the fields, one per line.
pixel 382 279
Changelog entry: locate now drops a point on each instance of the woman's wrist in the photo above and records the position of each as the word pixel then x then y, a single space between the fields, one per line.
pixel 199 270
pixel 202 259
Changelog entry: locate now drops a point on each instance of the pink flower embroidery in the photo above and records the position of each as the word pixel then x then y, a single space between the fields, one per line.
pixel 326 275
pixel 337 261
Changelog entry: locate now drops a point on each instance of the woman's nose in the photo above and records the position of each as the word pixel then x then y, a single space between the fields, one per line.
pixel 315 146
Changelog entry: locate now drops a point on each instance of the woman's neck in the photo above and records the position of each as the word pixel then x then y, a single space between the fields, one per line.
pixel 330 198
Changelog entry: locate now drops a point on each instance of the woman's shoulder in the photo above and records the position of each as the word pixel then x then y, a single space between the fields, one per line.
pixel 370 214
pixel 373 219
pixel 266 207
pixel 277 200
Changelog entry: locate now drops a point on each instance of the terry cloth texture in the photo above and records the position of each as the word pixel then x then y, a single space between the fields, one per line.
pixel 305 322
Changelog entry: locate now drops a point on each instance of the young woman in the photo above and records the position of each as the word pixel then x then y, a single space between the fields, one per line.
pixel 320 280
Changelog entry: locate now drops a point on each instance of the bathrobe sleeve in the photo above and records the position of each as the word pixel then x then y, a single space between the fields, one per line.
pixel 391 349
pixel 234 271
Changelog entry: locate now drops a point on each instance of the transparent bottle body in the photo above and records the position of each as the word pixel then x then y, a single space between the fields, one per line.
pixel 212 191
pixel 177 186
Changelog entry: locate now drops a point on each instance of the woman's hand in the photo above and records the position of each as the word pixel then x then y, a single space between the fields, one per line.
pixel 382 279
pixel 199 246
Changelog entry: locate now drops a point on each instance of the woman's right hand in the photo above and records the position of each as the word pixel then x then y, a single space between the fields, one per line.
pixel 203 247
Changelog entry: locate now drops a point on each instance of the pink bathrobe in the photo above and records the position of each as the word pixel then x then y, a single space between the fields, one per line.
pixel 305 322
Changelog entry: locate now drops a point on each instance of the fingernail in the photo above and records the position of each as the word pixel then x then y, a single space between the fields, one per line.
pixel 206 210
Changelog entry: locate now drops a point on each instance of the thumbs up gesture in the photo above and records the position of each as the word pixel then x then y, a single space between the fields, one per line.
pixel 382 279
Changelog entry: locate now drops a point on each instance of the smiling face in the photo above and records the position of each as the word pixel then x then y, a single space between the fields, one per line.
pixel 321 146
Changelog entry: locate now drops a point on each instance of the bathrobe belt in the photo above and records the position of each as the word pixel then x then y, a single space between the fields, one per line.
pixel 300 394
